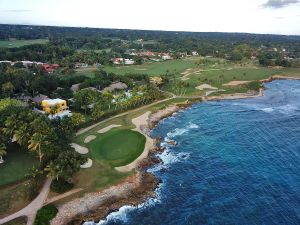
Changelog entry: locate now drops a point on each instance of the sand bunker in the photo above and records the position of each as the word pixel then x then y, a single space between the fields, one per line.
pixel 236 82
pixel 108 128
pixel 89 138
pixel 206 86
pixel 88 164
pixel 80 149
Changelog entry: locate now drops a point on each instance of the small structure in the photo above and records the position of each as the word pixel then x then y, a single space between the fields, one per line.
pixel 39 98
pixel 166 57
pixel 194 53
pixel 115 86
pixel 129 61
pixel 118 61
pixel 50 68
pixel 75 87
pixel 80 65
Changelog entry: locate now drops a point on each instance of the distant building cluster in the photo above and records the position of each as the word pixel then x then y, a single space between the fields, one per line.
pixel 47 67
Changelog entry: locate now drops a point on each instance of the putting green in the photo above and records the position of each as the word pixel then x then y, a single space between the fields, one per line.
pixel 118 147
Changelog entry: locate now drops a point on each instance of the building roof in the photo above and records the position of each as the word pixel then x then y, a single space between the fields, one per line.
pixel 53 101
pixel 116 86
pixel 39 98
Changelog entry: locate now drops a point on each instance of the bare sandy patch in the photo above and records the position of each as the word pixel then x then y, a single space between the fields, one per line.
pixel 236 82
pixel 141 69
pixel 140 122
pixel 108 128
pixel 206 86
pixel 88 164
pixel 89 138
pixel 80 149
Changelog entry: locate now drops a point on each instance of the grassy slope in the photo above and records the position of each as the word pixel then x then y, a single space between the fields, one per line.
pixel 118 147
pixel 17 164
pixel 20 43
pixel 155 68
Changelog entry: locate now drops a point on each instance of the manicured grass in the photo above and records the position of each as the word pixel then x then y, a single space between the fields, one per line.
pixel 118 147
pixel 18 163
pixel 20 43
pixel 155 68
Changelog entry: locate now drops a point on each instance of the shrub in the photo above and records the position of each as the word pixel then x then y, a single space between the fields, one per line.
pixel 254 85
pixel 61 186
pixel 45 214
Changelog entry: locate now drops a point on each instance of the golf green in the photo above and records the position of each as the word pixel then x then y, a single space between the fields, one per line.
pixel 118 147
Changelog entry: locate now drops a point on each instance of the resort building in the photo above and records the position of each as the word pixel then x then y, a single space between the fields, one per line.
pixel 54 106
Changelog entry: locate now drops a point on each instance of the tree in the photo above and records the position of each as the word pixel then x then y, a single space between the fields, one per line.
pixel 77 119
pixel 97 112
pixel 36 142
pixel 65 165
pixel 2 152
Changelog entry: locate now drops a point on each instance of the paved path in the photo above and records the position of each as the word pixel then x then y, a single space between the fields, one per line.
pixel 30 210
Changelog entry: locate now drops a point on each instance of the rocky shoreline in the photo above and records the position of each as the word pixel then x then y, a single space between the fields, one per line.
pixel 135 189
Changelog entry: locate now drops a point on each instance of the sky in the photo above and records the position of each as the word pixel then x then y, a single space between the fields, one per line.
pixel 251 16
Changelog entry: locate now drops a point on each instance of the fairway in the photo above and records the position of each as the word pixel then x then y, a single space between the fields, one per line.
pixel 16 166
pixel 155 68
pixel 20 43
pixel 118 147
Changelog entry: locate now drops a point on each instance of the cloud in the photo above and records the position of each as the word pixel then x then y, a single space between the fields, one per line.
pixel 17 10
pixel 279 3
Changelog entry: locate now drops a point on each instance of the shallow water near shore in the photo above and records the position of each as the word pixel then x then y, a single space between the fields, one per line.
pixel 235 162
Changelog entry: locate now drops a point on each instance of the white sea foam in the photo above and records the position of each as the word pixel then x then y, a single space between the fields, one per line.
pixel 193 126
pixel 177 132
pixel 267 110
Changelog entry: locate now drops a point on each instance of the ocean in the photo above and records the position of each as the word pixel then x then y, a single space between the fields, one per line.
pixel 235 162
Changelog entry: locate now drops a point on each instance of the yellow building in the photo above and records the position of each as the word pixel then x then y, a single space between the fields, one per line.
pixel 54 106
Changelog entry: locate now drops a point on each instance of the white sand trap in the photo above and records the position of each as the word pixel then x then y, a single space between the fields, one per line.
pixel 108 128
pixel 236 82
pixel 89 138
pixel 206 86
pixel 88 164
pixel 80 149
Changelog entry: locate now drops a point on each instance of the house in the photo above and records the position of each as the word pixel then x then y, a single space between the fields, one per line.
pixel 56 108
pixel 80 65
pixel 194 53
pixel 146 54
pixel 129 61
pixel 50 68
pixel 118 61
pixel 166 57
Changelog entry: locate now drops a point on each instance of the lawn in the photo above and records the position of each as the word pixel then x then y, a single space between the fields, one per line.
pixel 118 147
pixel 17 164
pixel 20 43
pixel 155 68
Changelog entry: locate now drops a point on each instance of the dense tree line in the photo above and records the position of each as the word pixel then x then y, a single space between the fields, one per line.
pixel 65 41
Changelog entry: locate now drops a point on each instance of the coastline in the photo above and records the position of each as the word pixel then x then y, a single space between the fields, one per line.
pixel 136 189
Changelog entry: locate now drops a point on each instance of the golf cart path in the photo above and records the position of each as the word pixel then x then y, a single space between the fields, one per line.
pixel 30 210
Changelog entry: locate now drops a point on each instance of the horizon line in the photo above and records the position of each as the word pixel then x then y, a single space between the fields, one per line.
pixel 139 29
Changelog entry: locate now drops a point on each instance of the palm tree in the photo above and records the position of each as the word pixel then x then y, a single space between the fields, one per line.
pixel 2 152
pixel 37 140
pixel 22 135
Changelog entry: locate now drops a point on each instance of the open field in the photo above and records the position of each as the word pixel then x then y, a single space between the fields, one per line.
pixel 17 164
pixel 155 68
pixel 20 43
pixel 118 147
